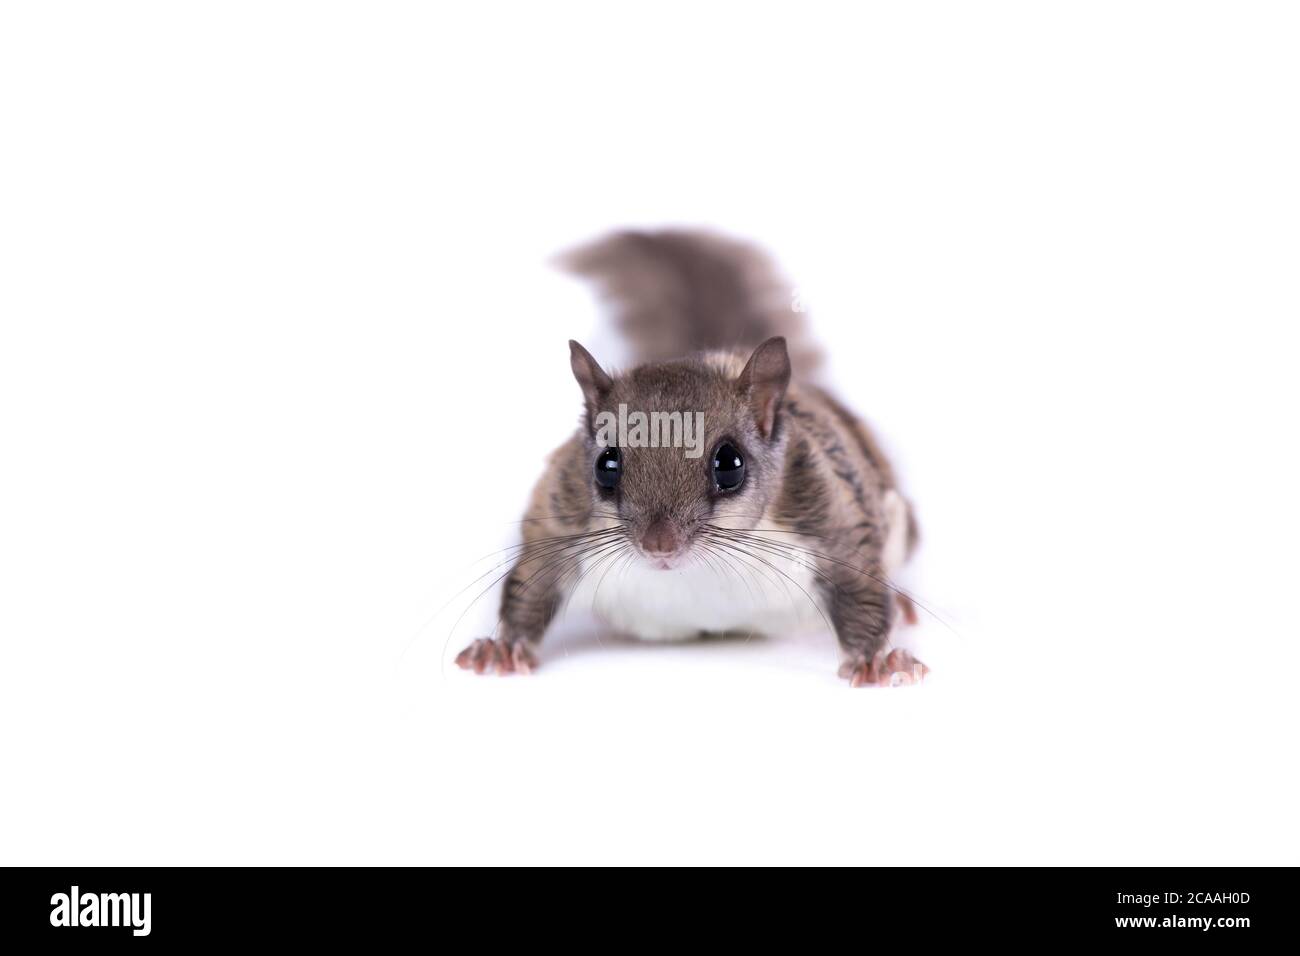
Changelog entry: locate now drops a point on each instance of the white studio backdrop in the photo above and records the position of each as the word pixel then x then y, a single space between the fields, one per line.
pixel 281 354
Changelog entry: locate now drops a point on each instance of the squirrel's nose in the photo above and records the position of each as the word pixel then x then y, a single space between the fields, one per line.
pixel 661 538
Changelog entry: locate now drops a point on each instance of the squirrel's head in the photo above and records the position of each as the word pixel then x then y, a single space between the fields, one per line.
pixel 677 447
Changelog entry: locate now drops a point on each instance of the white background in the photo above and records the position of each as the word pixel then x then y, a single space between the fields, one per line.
pixel 280 356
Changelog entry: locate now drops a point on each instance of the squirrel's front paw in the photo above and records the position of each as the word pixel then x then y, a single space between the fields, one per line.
pixel 886 669
pixel 486 655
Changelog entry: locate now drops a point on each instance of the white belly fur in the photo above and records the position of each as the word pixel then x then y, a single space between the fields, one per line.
pixel 765 594
pixel 710 595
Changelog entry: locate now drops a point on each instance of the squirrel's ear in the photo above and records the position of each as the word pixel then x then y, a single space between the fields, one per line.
pixel 595 383
pixel 763 382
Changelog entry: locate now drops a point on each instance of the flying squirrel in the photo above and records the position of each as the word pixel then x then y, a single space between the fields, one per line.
pixel 778 511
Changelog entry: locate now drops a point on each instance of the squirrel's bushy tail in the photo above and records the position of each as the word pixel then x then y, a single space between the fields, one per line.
pixel 675 292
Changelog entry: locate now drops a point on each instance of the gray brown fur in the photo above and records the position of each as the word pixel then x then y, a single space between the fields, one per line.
pixel 678 292
pixel 812 466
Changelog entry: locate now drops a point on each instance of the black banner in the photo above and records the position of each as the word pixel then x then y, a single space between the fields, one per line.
pixel 1221 908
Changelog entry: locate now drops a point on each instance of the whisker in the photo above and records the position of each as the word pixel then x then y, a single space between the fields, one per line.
pixel 610 516
pixel 539 541
pixel 593 563
pixel 725 561
pixel 738 549
pixel 545 554
pixel 811 566
pixel 880 579
pixel 544 546
pixel 555 571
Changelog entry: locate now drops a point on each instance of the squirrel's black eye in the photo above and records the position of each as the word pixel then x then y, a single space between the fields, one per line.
pixel 728 467
pixel 608 468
